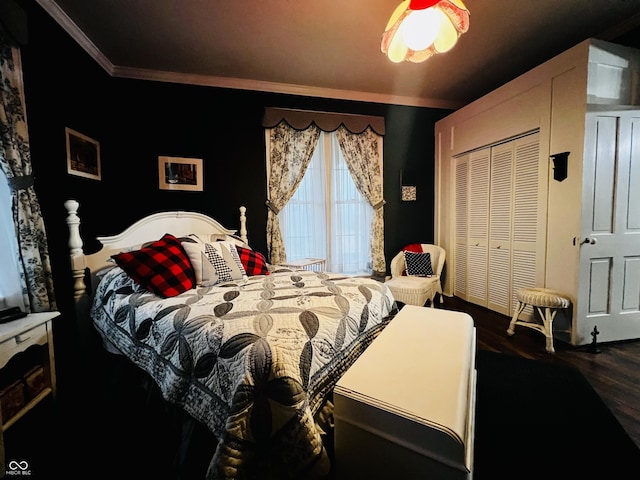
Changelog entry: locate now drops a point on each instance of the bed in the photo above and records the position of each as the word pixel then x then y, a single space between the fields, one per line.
pixel 252 353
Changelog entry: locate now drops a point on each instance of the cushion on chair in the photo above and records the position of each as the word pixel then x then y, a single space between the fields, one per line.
pixel 412 247
pixel 413 290
pixel 418 264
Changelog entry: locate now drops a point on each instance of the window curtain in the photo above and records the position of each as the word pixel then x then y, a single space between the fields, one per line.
pixel 286 127
pixel 15 162
pixel 363 155
pixel 290 152
pixel 303 220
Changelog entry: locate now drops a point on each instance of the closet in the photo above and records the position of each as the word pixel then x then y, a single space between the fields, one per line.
pixel 496 190
pixel 535 186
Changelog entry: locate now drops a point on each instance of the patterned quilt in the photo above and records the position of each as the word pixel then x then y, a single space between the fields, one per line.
pixel 254 360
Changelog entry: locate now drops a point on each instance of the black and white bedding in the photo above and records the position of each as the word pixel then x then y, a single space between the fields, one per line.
pixel 255 360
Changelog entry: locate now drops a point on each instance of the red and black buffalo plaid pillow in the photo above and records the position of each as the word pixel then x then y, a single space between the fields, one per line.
pixel 162 268
pixel 254 263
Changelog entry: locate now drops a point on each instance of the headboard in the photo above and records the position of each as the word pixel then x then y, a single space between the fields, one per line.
pixel 148 229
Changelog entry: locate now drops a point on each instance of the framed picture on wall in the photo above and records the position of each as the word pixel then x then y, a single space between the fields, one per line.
pixel 83 155
pixel 178 173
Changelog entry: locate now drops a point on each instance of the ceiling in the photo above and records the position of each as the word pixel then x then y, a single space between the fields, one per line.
pixel 331 48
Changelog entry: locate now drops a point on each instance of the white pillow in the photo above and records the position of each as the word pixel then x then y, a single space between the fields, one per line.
pixel 220 237
pixel 214 262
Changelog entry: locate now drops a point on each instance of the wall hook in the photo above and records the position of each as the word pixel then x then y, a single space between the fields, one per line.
pixel 560 165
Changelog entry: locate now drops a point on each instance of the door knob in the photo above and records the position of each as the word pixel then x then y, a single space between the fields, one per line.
pixel 590 241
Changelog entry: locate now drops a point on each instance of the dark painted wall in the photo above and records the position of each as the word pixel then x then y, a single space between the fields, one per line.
pixel 136 121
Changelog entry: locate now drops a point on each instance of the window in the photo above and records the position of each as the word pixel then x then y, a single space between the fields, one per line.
pixel 10 284
pixel 351 152
pixel 327 217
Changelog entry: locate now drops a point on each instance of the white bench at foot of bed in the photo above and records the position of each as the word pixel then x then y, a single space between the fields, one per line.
pixel 406 408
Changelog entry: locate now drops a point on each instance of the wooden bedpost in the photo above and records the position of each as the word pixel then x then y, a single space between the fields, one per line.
pixel 243 225
pixel 75 249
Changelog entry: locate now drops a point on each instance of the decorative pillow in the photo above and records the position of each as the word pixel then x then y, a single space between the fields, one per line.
pixel 220 237
pixel 254 263
pixel 162 268
pixel 235 239
pixel 413 247
pixel 418 264
pixel 214 262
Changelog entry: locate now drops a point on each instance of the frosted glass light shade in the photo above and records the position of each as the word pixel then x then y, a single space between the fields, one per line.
pixel 419 29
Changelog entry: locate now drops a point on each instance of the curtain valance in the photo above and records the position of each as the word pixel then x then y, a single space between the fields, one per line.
pixel 326 121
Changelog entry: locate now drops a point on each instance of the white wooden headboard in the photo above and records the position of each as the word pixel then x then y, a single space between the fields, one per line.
pixel 147 229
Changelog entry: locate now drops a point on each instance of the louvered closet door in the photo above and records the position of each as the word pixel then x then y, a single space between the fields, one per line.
pixel 500 216
pixel 525 216
pixel 461 227
pixel 496 223
pixel 478 238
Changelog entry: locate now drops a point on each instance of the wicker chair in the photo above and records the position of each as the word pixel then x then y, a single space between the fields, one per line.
pixel 414 290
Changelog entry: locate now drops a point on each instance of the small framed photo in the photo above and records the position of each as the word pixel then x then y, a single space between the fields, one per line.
pixel 408 193
pixel 178 173
pixel 83 155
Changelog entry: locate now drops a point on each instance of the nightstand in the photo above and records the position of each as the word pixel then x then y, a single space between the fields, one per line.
pixel 34 385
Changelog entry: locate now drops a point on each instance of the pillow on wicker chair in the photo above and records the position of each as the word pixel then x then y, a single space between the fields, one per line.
pixel 418 264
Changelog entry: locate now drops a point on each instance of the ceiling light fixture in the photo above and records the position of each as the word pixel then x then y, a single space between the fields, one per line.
pixel 419 29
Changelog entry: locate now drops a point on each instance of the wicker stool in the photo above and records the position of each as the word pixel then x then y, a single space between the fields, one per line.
pixel 540 298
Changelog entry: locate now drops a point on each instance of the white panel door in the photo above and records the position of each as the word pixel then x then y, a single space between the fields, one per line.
pixel 609 283
pixel 478 238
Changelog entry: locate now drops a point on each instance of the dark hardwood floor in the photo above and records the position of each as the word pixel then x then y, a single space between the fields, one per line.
pixel 614 372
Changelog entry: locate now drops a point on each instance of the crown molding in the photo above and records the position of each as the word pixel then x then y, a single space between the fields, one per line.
pixel 69 26
pixel 275 87
pixel 78 35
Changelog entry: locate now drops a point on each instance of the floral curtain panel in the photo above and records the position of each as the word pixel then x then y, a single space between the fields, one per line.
pixel 290 152
pixel 15 162
pixel 363 155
